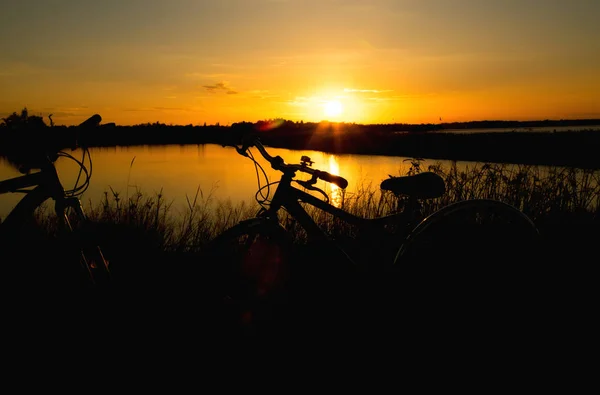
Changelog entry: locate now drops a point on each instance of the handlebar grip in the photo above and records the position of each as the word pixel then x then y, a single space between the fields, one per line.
pixel 92 121
pixel 337 180
pixel 79 140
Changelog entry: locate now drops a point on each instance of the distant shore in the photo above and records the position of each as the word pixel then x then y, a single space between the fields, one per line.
pixel 572 149
pixel 503 143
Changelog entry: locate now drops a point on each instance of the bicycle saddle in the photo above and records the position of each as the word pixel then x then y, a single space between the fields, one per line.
pixel 425 185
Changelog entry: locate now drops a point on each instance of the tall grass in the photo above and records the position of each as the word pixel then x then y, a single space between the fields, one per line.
pixel 165 227
pixel 540 192
pixel 545 194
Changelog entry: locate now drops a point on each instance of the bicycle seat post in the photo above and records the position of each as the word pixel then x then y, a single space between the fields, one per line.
pixel 412 208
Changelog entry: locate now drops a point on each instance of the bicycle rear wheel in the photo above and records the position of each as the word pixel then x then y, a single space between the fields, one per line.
pixel 480 251
pixel 251 262
pixel 479 229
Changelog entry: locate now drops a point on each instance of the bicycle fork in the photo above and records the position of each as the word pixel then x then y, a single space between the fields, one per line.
pixel 90 256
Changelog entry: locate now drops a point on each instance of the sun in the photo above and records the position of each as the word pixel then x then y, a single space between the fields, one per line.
pixel 333 108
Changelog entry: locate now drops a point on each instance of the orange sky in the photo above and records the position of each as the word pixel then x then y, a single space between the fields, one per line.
pixel 225 61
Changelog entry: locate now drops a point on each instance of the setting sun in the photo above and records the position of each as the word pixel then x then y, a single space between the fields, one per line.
pixel 333 108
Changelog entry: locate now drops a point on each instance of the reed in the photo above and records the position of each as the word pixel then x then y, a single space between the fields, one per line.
pixel 563 202
pixel 548 195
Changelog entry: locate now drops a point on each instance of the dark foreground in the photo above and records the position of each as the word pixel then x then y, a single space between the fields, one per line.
pixel 538 303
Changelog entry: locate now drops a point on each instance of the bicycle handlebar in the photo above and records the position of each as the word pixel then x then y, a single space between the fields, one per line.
pixel 35 148
pixel 332 178
pixel 278 163
pixel 91 122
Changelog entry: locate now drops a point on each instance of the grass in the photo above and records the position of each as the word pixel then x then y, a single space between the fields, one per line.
pixel 550 196
pixel 145 236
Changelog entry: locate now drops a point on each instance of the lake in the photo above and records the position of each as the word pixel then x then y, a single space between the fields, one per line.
pixel 177 171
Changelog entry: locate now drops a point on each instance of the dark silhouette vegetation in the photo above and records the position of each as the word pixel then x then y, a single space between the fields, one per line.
pixel 433 141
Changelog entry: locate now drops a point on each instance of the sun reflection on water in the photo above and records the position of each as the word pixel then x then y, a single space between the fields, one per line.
pixel 335 195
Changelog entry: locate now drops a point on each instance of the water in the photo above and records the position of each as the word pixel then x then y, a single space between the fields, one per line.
pixel 182 172
pixel 179 172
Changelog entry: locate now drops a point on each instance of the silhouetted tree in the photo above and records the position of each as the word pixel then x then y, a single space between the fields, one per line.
pixel 23 121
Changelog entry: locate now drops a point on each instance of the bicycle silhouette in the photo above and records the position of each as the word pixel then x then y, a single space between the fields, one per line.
pixel 79 262
pixel 258 261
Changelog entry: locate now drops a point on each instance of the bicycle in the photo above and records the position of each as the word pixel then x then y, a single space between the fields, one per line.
pixel 82 262
pixel 257 259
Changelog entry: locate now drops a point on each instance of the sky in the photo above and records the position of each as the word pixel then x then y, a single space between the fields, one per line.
pixel 186 62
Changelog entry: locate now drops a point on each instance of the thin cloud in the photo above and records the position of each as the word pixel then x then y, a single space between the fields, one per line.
pixel 219 86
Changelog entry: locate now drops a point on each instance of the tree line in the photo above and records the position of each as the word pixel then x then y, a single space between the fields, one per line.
pixel 578 149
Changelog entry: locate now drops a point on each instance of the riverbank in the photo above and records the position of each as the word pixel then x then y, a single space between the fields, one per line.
pixel 572 149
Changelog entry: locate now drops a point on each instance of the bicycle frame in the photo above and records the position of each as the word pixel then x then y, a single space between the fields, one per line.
pixel 289 197
pixel 46 185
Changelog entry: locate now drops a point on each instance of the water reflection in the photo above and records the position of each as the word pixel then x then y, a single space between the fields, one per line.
pixel 335 194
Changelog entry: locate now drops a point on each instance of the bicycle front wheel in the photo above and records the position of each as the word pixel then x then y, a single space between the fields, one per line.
pixel 252 263
pixel 51 253
pixel 81 238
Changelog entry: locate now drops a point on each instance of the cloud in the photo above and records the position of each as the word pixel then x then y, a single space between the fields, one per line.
pixel 219 86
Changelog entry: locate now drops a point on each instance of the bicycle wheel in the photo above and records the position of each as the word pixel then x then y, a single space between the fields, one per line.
pixel 251 262
pixel 49 257
pixel 80 236
pixel 479 249
pixel 470 228
pixel 27 251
